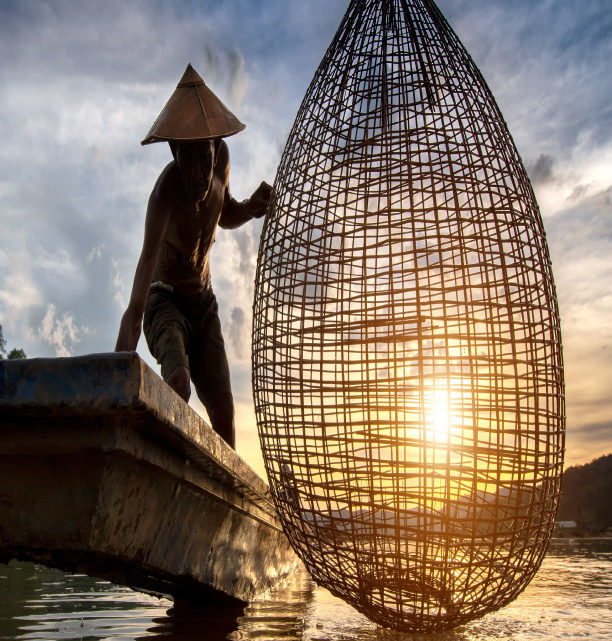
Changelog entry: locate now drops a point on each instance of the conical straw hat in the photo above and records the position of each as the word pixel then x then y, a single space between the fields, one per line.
pixel 193 113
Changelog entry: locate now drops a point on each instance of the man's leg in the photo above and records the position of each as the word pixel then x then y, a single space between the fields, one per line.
pixel 221 412
pixel 166 331
pixel 210 373
pixel 180 382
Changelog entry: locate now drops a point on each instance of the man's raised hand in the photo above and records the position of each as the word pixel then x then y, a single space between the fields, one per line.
pixel 260 199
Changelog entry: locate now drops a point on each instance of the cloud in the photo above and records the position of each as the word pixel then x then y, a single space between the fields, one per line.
pixel 19 290
pixel 544 62
pixel 588 442
pixel 247 243
pixel 117 285
pixel 18 293
pixel 61 333
pixel 238 332
pixel 580 241
pixel 578 192
pixel 224 70
pixel 596 431
pixel 95 253
pixel 542 169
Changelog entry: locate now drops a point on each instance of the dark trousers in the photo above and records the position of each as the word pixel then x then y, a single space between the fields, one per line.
pixel 184 330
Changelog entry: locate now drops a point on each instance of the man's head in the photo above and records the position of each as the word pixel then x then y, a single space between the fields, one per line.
pixel 195 162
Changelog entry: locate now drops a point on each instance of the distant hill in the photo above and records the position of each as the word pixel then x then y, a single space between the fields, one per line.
pixel 586 495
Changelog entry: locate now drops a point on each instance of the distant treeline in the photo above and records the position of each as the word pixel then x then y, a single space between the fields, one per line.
pixel 14 353
pixel 586 495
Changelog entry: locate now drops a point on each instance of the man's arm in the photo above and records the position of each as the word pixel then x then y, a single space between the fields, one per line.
pixel 155 227
pixel 236 213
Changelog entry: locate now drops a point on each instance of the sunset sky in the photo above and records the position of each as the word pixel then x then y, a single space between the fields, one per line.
pixel 82 81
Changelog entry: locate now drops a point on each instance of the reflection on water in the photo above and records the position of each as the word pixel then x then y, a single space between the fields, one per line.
pixel 44 604
pixel 570 598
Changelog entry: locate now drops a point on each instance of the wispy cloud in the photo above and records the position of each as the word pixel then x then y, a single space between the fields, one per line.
pixel 62 333
pixel 238 333
pixel 541 171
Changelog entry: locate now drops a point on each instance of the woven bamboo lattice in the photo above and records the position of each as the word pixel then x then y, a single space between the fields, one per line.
pixel 407 362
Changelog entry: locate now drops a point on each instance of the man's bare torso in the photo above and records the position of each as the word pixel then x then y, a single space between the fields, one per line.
pixel 184 257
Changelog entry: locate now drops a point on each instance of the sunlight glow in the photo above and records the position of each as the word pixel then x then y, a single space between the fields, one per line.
pixel 438 418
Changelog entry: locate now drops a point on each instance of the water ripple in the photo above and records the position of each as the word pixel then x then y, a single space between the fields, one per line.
pixel 570 598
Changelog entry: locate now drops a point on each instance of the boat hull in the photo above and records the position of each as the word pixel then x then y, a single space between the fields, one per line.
pixel 104 470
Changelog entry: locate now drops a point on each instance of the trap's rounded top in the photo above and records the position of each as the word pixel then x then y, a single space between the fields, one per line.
pixel 193 112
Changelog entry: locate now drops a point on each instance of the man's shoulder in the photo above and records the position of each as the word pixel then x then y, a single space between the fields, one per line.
pixel 168 176
pixel 162 201
pixel 166 183
pixel 223 155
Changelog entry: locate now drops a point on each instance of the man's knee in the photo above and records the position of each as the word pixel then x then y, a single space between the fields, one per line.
pixel 221 413
pixel 180 381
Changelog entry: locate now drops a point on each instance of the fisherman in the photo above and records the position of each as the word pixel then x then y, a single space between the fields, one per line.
pixel 172 286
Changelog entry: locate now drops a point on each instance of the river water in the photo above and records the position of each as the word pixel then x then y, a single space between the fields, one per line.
pixel 570 598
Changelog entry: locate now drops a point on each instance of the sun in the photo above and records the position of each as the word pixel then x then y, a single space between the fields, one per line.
pixel 438 417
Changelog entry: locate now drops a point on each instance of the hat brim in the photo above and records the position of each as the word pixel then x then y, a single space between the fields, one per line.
pixel 193 113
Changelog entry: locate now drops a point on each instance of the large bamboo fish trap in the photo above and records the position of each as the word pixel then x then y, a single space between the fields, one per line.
pixel 407 362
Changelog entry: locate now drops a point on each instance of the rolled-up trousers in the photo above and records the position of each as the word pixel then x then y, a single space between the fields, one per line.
pixel 184 330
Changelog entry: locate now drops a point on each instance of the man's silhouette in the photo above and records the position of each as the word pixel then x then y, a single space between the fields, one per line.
pixel 172 287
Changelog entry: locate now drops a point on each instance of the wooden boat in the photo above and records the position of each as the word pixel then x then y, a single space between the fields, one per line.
pixel 105 470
